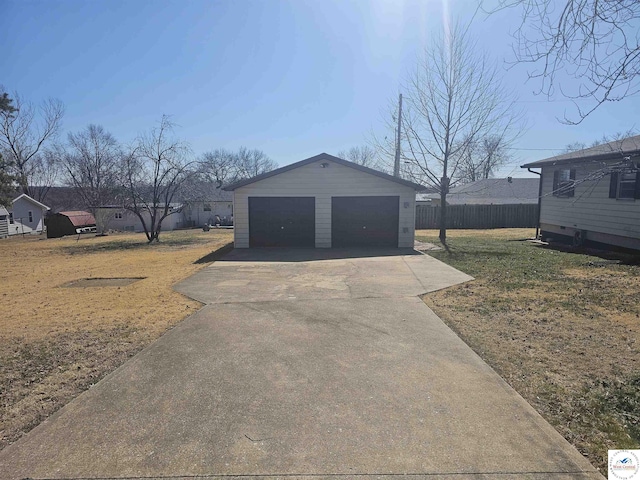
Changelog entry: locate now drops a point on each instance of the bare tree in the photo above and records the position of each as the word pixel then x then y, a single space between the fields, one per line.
pixel 481 158
pixel 91 161
pixel 250 163
pixel 25 132
pixel 594 43
pixel 154 171
pixel 364 155
pixel 7 180
pixel 223 167
pixel 453 98
pixel 43 172
pixel 218 166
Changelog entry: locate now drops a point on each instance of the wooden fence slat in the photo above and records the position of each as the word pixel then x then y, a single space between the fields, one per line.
pixel 479 216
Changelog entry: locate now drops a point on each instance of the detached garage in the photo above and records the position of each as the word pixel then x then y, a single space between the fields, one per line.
pixel 324 202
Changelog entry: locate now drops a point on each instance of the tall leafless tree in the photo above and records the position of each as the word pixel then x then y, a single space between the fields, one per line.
pixel 482 158
pixel 25 133
pixel 453 98
pixel 154 170
pixel 219 166
pixel 251 163
pixel 7 180
pixel 222 166
pixel 92 160
pixel 364 155
pixel 43 172
pixel 592 43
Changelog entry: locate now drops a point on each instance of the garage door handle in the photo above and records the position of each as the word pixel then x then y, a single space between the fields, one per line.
pixel 364 228
pixel 281 228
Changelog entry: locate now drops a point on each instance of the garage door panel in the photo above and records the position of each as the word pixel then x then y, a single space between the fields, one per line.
pixel 281 221
pixel 365 221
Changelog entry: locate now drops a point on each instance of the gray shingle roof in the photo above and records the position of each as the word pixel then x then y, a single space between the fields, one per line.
pixel 493 191
pixel 627 147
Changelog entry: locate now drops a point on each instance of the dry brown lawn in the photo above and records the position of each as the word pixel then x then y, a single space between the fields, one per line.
pixel 561 327
pixel 56 341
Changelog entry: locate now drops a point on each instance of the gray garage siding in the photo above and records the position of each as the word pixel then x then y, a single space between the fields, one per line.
pixel 590 208
pixel 324 183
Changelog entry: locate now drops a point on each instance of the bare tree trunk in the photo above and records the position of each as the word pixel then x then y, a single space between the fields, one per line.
pixel 444 189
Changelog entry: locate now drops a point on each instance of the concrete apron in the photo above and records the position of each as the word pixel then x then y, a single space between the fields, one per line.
pixel 309 388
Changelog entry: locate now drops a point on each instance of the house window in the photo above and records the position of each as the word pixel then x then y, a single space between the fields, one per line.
pixel 207 207
pixel 119 215
pixel 11 218
pixel 625 185
pixel 30 216
pixel 564 182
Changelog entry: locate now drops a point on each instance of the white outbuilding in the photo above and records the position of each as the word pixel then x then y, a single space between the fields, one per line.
pixel 26 216
pixel 324 201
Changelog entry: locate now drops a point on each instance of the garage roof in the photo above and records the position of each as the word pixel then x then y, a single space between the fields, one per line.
pixel 325 156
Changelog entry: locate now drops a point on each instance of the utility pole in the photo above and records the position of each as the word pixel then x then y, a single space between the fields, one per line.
pixel 396 164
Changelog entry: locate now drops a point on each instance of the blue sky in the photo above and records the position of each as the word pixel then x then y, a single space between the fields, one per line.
pixel 292 78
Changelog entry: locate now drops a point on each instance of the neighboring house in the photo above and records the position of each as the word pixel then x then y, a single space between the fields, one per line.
pixel 120 219
pixel 70 223
pixel 593 194
pixel 324 202
pixel 197 213
pixel 26 216
pixel 4 222
pixel 491 191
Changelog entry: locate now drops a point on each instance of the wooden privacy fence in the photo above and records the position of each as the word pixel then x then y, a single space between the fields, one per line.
pixel 479 216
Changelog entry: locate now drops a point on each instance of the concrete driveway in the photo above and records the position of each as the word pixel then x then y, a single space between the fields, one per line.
pixel 302 365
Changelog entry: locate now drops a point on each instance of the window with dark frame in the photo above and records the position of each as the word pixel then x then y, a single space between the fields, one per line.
pixel 207 207
pixel 118 215
pixel 564 182
pixel 11 218
pixel 625 185
pixel 30 216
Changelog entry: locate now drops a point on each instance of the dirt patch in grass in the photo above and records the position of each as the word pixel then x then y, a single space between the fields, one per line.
pixel 102 282
pixel 562 328
pixel 56 342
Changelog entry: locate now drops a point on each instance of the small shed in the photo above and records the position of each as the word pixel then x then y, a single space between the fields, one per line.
pixel 70 223
pixel 4 222
pixel 324 201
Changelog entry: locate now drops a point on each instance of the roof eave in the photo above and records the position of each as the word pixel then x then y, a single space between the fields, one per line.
pixel 324 156
pixel 592 158
pixel 29 199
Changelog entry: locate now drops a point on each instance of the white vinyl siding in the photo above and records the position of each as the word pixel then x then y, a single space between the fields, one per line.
pixel 28 216
pixel 323 183
pixel 590 208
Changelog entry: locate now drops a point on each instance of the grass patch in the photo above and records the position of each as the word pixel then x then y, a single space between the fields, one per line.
pixel 87 244
pixel 562 328
pixel 57 342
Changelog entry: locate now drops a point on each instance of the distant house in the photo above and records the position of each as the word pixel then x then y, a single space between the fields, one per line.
pixel 70 223
pixel 491 191
pixel 123 220
pixel 197 213
pixel 593 194
pixel 4 222
pixel 26 215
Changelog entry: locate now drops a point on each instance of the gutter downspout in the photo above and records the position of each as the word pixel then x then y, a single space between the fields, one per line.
pixel 539 198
